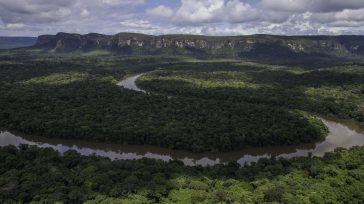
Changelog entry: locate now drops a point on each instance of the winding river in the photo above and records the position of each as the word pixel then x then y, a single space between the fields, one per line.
pixel 343 133
pixel 129 83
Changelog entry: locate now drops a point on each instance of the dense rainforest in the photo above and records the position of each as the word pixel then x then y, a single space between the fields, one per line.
pixel 77 97
pixel 335 91
pixel 33 175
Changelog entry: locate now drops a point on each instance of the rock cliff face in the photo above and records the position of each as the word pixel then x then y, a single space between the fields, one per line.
pixel 234 46
pixel 64 42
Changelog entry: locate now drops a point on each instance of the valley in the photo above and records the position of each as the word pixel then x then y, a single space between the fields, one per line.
pixel 108 126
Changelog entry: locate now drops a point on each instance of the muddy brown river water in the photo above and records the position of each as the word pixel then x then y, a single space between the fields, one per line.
pixel 342 134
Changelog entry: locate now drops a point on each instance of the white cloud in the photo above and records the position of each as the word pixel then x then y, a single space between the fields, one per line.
pixel 286 5
pixel 346 18
pixel 85 13
pixel 14 25
pixel 15 11
pixel 237 11
pixel 160 11
pixel 201 11
pixel 46 11
pixel 123 2
pixel 211 17
pixel 350 15
pixel 311 5
pixel 138 24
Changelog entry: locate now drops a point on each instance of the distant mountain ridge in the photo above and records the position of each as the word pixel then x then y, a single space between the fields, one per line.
pixel 252 46
pixel 16 42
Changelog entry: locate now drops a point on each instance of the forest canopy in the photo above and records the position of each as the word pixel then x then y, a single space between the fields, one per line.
pixel 76 97
pixel 31 174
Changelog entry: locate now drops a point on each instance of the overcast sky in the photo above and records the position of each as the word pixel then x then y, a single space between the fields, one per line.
pixel 207 17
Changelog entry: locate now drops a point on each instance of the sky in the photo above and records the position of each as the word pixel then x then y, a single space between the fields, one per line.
pixel 202 17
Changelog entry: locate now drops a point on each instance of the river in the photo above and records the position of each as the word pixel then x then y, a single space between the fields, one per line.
pixel 129 83
pixel 342 133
